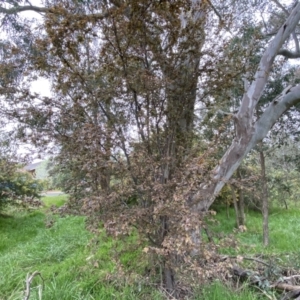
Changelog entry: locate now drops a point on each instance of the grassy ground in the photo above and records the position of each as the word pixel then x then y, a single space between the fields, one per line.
pixel 58 200
pixel 77 265
pixel 284 227
pixel 217 291
pixel 74 265
pixel 282 252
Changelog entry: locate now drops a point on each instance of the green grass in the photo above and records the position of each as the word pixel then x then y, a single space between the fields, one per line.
pixel 282 252
pixel 74 263
pixel 217 291
pixel 284 230
pixel 58 200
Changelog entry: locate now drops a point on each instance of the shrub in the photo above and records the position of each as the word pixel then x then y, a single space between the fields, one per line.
pixel 16 185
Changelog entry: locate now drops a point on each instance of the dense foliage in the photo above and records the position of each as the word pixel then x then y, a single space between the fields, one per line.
pixel 16 184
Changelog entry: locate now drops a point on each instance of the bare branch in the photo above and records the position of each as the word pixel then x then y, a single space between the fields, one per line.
pixel 18 9
pixel 291 277
pixel 215 11
pixel 28 283
pixel 288 98
pixel 289 54
pixel 281 6
pixel 296 41
pixel 247 258
pixel 254 92
pixel 284 52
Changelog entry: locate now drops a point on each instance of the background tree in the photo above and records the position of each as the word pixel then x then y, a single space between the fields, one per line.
pixel 16 186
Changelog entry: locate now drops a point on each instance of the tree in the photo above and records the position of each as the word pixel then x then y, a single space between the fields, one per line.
pixel 16 185
pixel 128 78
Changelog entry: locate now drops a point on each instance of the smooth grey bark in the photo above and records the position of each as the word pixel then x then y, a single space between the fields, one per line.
pixel 248 132
pixel 284 52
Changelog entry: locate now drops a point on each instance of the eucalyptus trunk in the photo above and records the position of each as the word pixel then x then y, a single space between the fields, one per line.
pixel 248 132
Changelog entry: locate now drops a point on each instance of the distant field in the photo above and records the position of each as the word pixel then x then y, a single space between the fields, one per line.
pixel 57 200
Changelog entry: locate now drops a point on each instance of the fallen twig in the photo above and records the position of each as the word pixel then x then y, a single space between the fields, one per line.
pixel 291 295
pixel 28 283
pixel 271 297
pixel 291 291
pixel 286 287
pixel 248 258
pixel 291 277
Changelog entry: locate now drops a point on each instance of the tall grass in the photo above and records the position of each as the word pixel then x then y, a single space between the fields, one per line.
pixel 284 227
pixel 73 263
pixel 218 291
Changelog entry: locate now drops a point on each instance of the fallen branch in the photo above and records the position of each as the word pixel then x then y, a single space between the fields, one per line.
pixel 291 277
pixel 286 287
pixel 255 280
pixel 291 295
pixel 247 258
pixel 28 283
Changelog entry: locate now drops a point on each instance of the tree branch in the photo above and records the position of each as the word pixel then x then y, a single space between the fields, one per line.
pixel 28 283
pixel 276 108
pixel 284 52
pixel 17 9
pixel 249 133
pixel 215 11
pixel 247 258
pixel 289 54
pixel 281 6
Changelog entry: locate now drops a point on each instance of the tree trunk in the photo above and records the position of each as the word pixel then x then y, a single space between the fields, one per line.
pixel 181 89
pixel 169 279
pixel 241 203
pixel 236 209
pixel 248 132
pixel 265 204
pixel 241 207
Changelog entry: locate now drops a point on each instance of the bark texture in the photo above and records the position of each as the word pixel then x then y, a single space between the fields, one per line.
pixel 265 202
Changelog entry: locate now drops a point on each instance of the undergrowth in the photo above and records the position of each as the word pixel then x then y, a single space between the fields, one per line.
pixel 284 230
pixel 75 264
